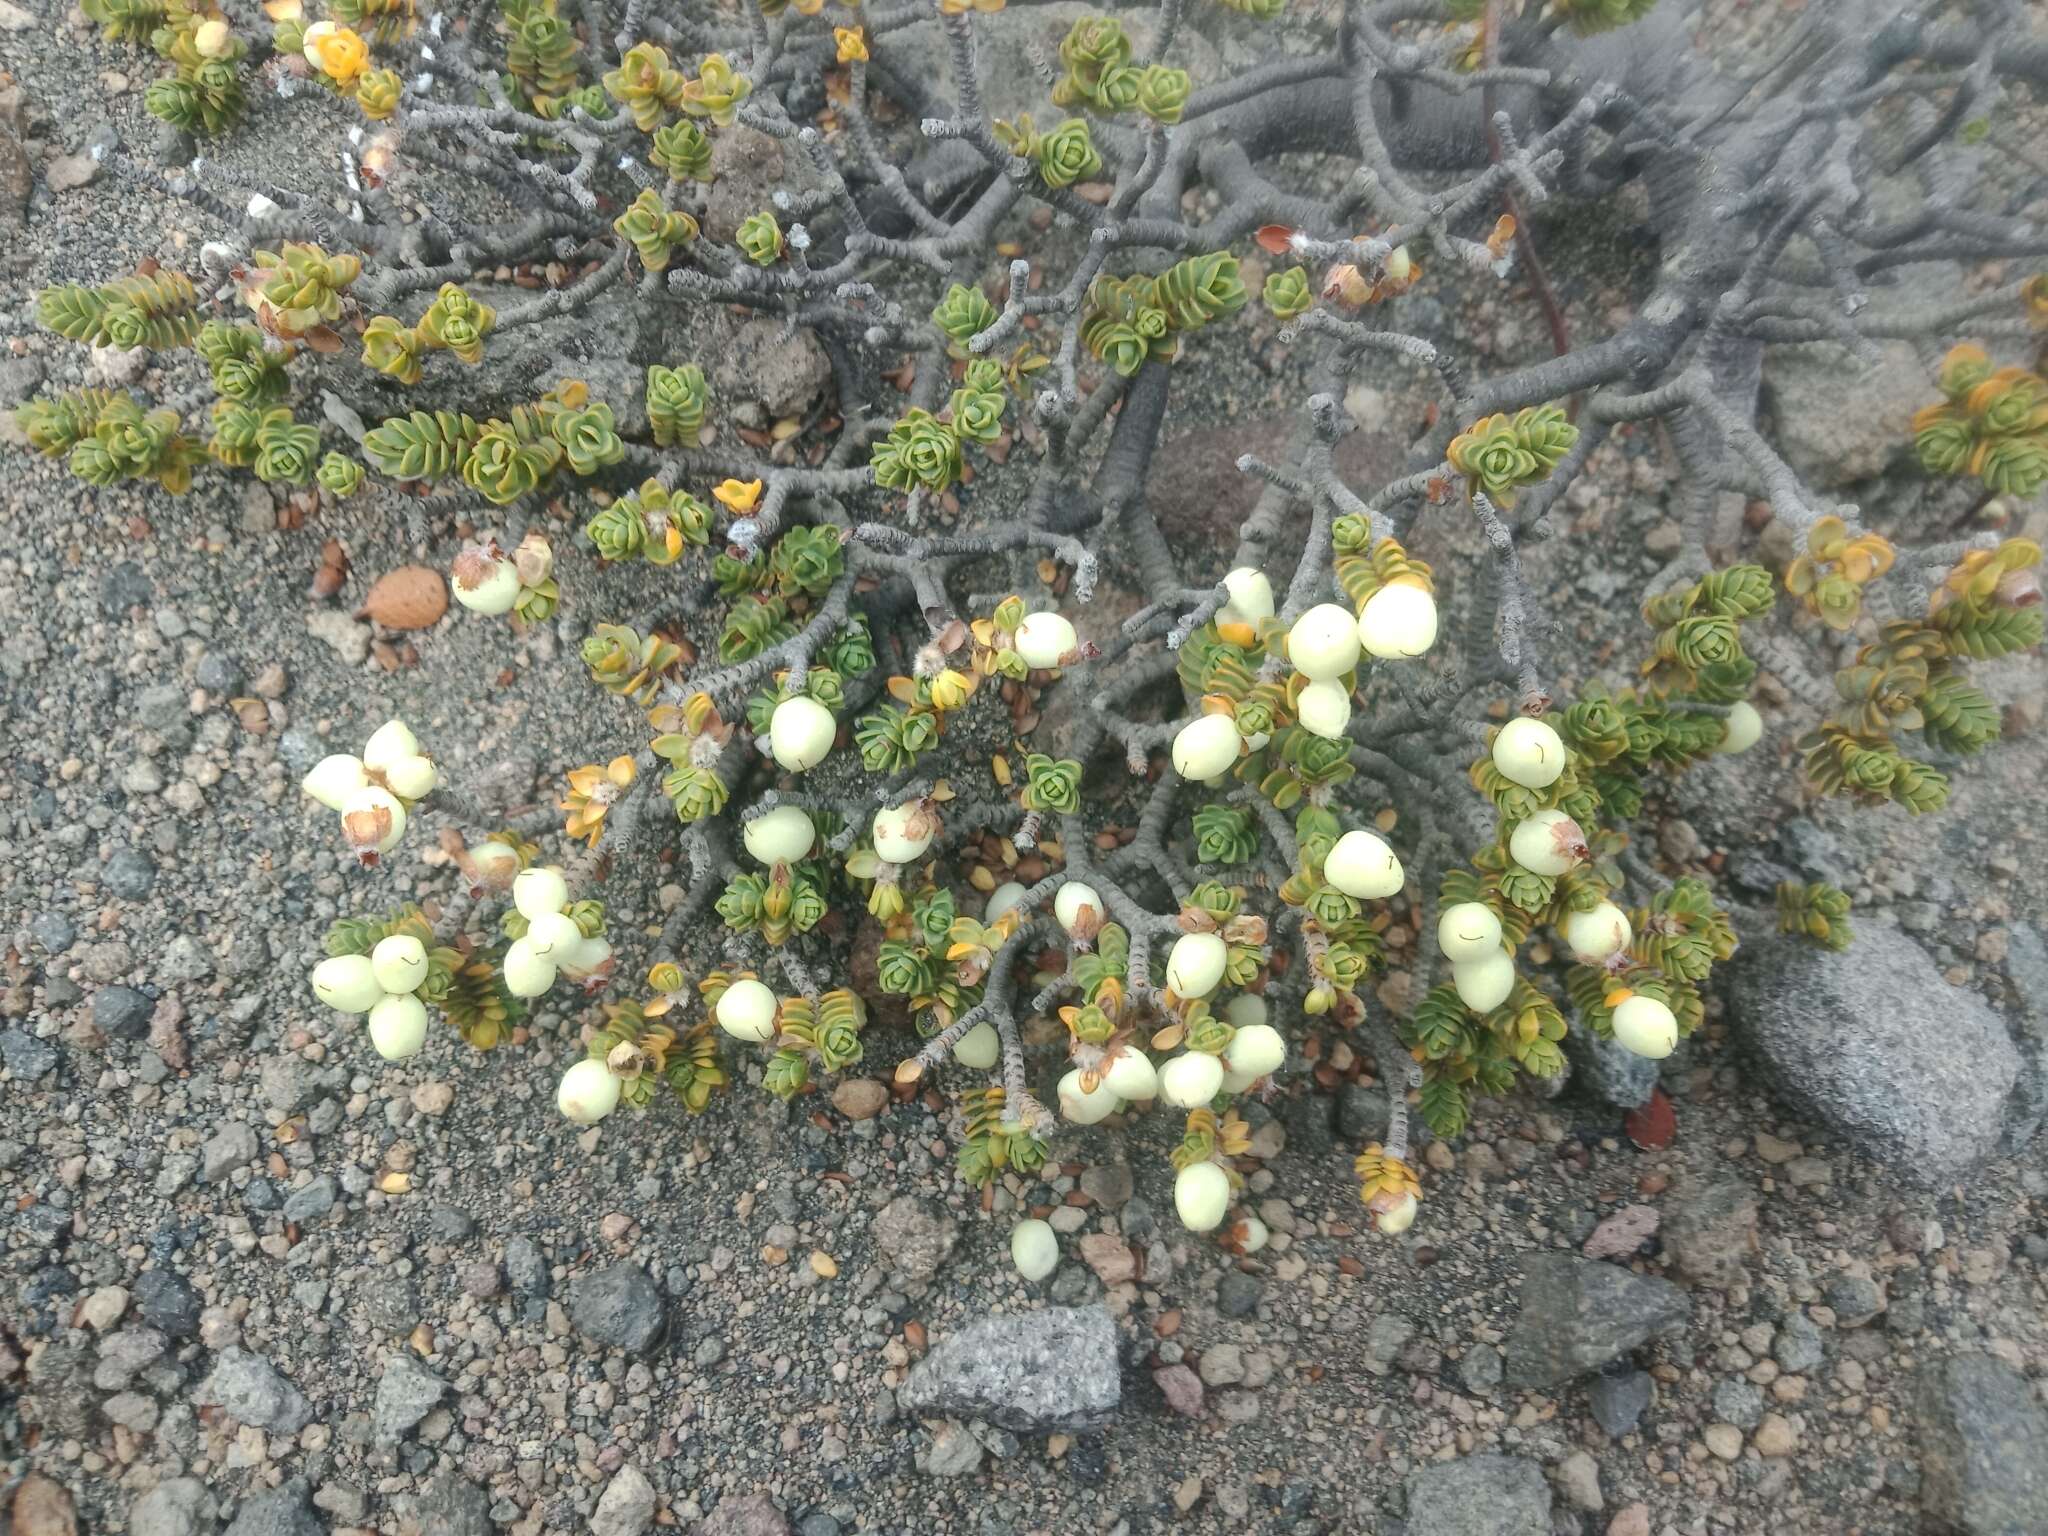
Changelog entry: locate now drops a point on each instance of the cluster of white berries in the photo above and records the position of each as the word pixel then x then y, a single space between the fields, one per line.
pixel 374 793
pixel 553 943
pixel 381 984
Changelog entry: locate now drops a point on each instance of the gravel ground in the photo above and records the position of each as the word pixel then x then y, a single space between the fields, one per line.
pixel 251 1272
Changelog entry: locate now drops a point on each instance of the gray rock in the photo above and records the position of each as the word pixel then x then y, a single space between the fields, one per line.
pixel 1857 1299
pixel 915 1236
pixel 122 1013
pixel 309 1203
pixel 1873 1043
pixel 179 1506
pixel 1577 1315
pixel 1385 1338
pixel 768 373
pixel 1362 1113
pixel 618 1307
pixel 406 1393
pixel 524 1266
pixel 232 1146
pixel 125 586
pixel 1619 1400
pixel 1820 442
pixel 1237 1294
pixel 626 1508
pixel 219 673
pixel 391 1303
pixel 124 1354
pixel 250 1390
pixel 1709 1231
pixel 282 1511
pixel 1479 1368
pixel 129 872
pixel 449 1505
pixel 954 1452
pixel 54 931
pixel 131 1410
pixel 1054 1369
pixel 1479 1496
pixel 1983 1450
pixel 167 1301
pixel 1798 1345
pixel 1739 1403
pixel 27 1058
pixel 1610 1073
pixel 752 1514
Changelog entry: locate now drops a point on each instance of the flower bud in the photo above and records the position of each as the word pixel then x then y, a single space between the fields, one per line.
pixel 1645 1026
pixel 1201 1194
pixel 1256 1051
pixel 1529 753
pixel 1078 908
pixel 347 984
pixel 333 779
pixel 1004 898
pixel 1131 1075
pixel 553 937
pixel 538 891
pixel 1468 930
pixel 1363 866
pixel 780 836
pixel 978 1048
pixel 1548 843
pixel 1043 638
pixel 1251 596
pixel 1743 728
pixel 1324 642
pixel 1484 984
pixel 527 974
pixel 399 963
pixel 1399 621
pixel 1191 1079
pixel 746 1011
pixel 1593 936
pixel 902 832
pixel 398 1027
pixel 372 820
pixel 1034 1249
pixel 1083 1107
pixel 800 733
pixel 1206 747
pixel 1195 964
pixel 588 1093
pixel 1324 709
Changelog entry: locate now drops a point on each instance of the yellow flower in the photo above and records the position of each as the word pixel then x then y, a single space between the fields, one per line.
pixel 741 496
pixel 852 45
pixel 336 52
pixel 592 792
pixel 211 38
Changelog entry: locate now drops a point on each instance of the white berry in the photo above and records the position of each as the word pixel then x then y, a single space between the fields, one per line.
pixel 978 1048
pixel 1529 753
pixel 588 1093
pixel 1548 843
pixel 527 974
pixel 1245 1010
pixel 398 1027
pixel 1743 728
pixel 780 836
pixel 1004 898
pixel 1131 1075
pixel 1398 621
pixel 1082 1106
pixel 1645 1026
pixel 1468 930
pixel 1206 747
pixel 1323 642
pixel 1363 866
pixel 1593 936
pixel 1255 1051
pixel 800 733
pixel 347 983
pixel 485 582
pixel 333 779
pixel 1074 901
pixel 390 742
pixel 399 963
pixel 902 832
pixel 747 1009
pixel 1201 1194
pixel 1324 709
pixel 1034 1249
pixel 372 820
pixel 1484 984
pixel 1043 638
pixel 412 777
pixel 1393 1223
pixel 1191 1079
pixel 554 937
pixel 1195 964
pixel 1250 596
pixel 539 891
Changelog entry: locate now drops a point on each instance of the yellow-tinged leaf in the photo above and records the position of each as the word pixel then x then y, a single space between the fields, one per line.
pixel 394 1183
pixel 1387 820
pixel 1048 571
pixel 1169 1037
pixel 909 1070
pixel 903 690
pixel 999 765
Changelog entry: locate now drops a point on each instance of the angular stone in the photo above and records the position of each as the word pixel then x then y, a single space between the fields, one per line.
pixel 1577 1315
pixel 1915 1073
pixel 626 1507
pixel 167 1301
pixel 752 1514
pixel 915 1236
pixel 250 1390
pixel 179 1506
pixel 43 1507
pixel 1053 1369
pixel 449 1505
pixel 406 1393
pixel 1479 1496
pixel 1710 1231
pixel 283 1511
pixel 1983 1450
pixel 26 1057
